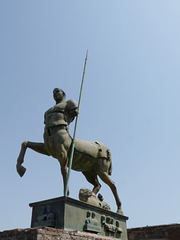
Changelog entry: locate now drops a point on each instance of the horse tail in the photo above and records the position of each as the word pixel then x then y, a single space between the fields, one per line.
pixel 109 160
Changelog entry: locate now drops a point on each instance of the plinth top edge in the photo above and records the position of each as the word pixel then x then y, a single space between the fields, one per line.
pixel 68 200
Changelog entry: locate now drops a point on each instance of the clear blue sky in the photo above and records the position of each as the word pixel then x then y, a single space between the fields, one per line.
pixel 130 100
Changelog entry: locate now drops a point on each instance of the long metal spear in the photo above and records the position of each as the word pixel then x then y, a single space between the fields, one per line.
pixel 75 127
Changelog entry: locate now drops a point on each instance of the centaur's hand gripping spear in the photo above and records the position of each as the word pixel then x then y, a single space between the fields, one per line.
pixel 74 136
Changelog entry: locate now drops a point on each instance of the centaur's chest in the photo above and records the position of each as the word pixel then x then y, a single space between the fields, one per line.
pixel 55 115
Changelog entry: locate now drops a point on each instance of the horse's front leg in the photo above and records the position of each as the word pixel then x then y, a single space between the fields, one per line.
pixel 64 175
pixel 38 147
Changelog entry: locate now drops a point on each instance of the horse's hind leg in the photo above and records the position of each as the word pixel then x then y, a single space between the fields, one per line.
pixel 38 147
pixel 63 160
pixel 64 175
pixel 105 178
pixel 92 178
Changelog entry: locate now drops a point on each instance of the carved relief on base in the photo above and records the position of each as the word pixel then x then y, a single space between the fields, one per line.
pixel 91 223
pixel 46 217
pixel 106 224
pixel 111 226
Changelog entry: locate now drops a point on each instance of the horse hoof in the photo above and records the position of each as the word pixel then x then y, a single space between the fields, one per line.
pixel 21 170
pixel 119 211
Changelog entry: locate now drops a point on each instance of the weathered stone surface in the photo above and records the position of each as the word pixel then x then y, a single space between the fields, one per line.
pixel 161 232
pixel 48 233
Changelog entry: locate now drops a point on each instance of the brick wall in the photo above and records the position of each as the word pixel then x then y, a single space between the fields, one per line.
pixel 47 233
pixel 161 232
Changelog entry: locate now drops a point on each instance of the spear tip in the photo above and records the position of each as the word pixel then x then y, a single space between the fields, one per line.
pixel 86 54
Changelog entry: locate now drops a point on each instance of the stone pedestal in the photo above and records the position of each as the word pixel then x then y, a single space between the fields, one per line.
pixel 71 215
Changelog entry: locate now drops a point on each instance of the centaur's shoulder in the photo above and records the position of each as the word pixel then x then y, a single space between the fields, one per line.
pixel 71 104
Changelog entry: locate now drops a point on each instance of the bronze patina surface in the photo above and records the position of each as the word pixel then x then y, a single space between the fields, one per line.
pixel 69 214
pixel 93 159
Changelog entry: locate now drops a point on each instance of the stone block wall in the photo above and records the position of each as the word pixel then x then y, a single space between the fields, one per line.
pixel 161 232
pixel 48 233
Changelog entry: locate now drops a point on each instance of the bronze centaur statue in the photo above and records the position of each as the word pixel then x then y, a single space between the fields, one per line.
pixel 91 158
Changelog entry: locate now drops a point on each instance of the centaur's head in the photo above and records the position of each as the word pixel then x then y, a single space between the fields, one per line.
pixel 59 95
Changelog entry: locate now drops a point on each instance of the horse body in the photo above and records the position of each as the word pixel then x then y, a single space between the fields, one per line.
pixel 91 156
pixel 93 159
pixel 88 156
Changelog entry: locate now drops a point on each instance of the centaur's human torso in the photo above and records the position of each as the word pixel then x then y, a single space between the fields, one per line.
pixel 57 120
pixel 62 113
pixel 57 139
